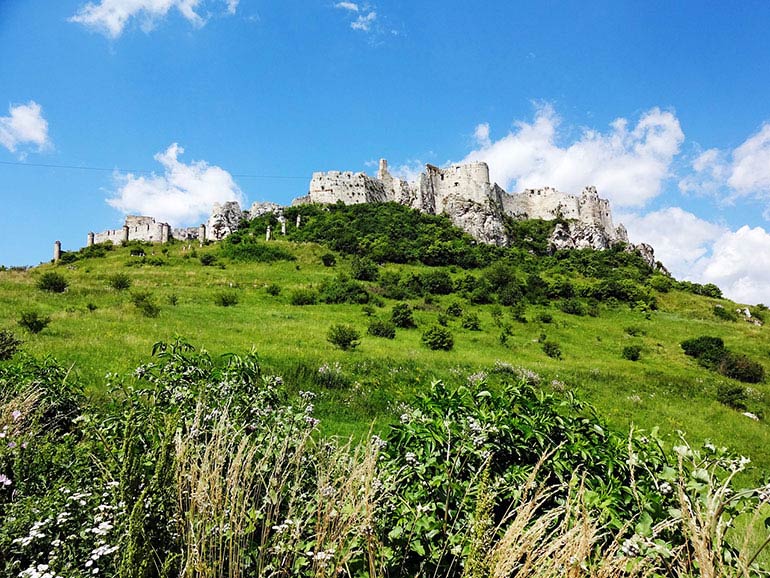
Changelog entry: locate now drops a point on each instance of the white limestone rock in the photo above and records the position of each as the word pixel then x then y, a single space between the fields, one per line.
pixel 259 209
pixel 225 219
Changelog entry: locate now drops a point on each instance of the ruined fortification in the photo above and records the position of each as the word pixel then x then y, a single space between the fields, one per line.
pixel 465 194
pixel 462 192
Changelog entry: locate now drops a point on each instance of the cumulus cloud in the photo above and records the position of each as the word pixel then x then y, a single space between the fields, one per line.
pixel 681 240
pixel 628 164
pixel 740 265
pixel 110 17
pixel 364 22
pixel 352 6
pixel 743 172
pixel 183 195
pixel 738 262
pixel 25 125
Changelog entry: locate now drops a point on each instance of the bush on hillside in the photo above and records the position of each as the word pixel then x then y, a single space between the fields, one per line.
pixel 706 349
pixel 119 281
pixel 208 259
pixel 303 297
pixel 437 282
pixel 551 349
pixel 364 269
pixel 573 307
pixel 343 289
pixel 52 282
pixel 328 259
pixel 345 337
pixel 273 289
pixel 226 299
pixel 247 249
pixel 380 328
pixel 401 315
pixel 741 368
pixel 732 395
pixel 454 309
pixel 632 352
pixel 144 301
pixel 438 338
pixel 33 322
pixel 725 314
pixel 471 321
pixel 9 344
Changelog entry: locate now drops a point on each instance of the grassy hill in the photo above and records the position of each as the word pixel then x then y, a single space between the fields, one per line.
pixel 196 421
pixel 499 305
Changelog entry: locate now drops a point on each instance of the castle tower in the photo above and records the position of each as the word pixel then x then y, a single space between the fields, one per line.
pixel 56 251
pixel 125 234
pixel 382 173
pixel 202 234
pixel 165 232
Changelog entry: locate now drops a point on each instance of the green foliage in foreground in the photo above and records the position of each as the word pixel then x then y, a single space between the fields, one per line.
pixel 202 467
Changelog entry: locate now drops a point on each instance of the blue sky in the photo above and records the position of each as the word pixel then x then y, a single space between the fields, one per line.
pixel 664 106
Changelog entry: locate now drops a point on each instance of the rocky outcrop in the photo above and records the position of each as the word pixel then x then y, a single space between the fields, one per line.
pixel 259 209
pixel 224 219
pixel 482 221
pixel 576 235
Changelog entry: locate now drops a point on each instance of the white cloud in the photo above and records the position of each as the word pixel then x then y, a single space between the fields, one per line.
pixel 24 126
pixel 743 172
pixel 680 239
pixel 750 171
pixel 352 6
pixel 364 22
pixel 110 17
pixel 183 195
pixel 738 262
pixel 627 165
pixel 740 265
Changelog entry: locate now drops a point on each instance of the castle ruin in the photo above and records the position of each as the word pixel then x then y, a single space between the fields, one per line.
pixel 462 192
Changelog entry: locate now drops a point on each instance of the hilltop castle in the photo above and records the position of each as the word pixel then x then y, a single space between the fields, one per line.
pixel 462 192
pixel 465 194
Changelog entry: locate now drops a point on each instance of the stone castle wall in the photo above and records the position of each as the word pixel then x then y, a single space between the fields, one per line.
pixel 350 188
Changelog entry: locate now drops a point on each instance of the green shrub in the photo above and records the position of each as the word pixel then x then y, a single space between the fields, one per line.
pixel 573 307
pixel 551 349
pixel 442 320
pixel 402 316
pixel 380 328
pixel 273 289
pixel 119 281
pixel 740 367
pixel 725 314
pixel 145 303
pixel 471 321
pixel 208 259
pixel 437 337
pixel 33 322
pixel 9 344
pixel 226 299
pixel 343 289
pixel 173 299
pixel 364 269
pixel 329 259
pixel 52 282
pixel 303 297
pixel 246 249
pixel 454 309
pixel 343 336
pixel 632 352
pixel 662 283
pixel 732 395
pixel 91 306
pixel 437 282
pixel 634 331
pixel 545 317
pixel 707 350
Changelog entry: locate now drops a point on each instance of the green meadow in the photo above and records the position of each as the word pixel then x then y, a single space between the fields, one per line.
pixel 96 330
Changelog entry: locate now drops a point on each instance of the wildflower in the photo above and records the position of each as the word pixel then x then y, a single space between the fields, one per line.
pixel 15 415
pixel 5 480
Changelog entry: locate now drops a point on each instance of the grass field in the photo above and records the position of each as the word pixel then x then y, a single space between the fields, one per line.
pixel 98 330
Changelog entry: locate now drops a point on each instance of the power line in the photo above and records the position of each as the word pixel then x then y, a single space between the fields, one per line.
pixel 139 171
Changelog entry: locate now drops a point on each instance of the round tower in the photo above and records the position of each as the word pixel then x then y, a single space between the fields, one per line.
pixel 56 251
